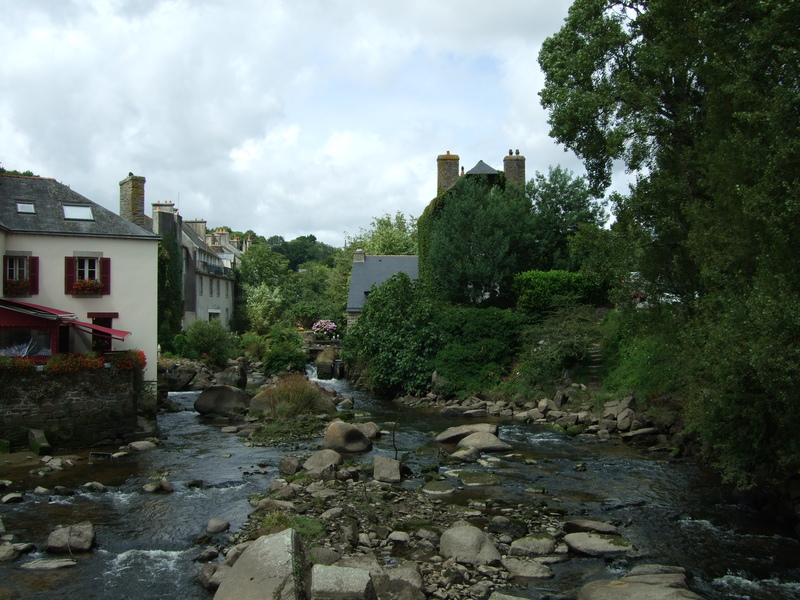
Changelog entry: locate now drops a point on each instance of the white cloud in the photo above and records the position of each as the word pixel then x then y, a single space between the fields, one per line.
pixel 287 118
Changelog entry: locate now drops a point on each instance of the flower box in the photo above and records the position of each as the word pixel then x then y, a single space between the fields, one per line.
pixel 86 287
pixel 16 287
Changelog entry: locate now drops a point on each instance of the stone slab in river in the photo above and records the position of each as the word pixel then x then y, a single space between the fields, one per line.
pixel 267 569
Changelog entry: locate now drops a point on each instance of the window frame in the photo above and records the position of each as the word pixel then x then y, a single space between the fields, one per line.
pixel 28 266
pixel 102 273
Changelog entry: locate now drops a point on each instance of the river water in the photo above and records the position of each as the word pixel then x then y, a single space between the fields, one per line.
pixel 673 511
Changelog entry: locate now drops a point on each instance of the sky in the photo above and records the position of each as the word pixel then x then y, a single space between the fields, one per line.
pixel 285 117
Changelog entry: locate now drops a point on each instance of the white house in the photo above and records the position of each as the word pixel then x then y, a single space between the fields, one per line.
pixel 76 277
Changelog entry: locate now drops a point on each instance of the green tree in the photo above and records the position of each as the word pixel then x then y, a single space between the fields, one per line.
pixel 260 265
pixel 388 235
pixel 266 306
pixel 479 241
pixel 699 100
pixel 393 343
pixel 560 203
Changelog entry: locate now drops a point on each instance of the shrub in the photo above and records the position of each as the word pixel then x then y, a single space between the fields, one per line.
pixel 16 364
pixel 292 396
pixel 211 341
pixel 562 339
pixel 285 353
pixel 254 345
pixel 541 291
pixel 480 345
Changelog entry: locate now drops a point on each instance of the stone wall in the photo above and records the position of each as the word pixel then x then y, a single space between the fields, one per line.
pixel 74 410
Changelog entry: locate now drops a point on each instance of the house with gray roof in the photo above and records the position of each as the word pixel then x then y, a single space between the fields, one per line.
pixel 76 276
pixel 373 270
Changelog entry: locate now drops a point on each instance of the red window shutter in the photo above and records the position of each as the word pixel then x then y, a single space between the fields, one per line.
pixel 33 275
pixel 5 274
pixel 105 275
pixel 70 270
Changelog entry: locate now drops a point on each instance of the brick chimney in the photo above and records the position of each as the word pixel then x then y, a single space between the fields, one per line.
pixel 448 172
pixel 514 166
pixel 131 199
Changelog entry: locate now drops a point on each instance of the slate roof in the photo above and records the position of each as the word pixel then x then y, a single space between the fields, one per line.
pixel 49 196
pixel 482 169
pixel 376 269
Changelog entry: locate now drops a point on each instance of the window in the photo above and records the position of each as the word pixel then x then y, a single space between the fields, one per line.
pixel 200 288
pixel 26 207
pixel 218 296
pixel 20 275
pixel 87 275
pixel 80 212
pixel 24 342
pixel 227 289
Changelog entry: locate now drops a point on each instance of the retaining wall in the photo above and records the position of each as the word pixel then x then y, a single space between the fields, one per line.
pixel 75 410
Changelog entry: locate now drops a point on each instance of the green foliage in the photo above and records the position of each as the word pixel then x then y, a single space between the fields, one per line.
pixel 170 291
pixel 479 345
pixel 309 529
pixel 562 339
pixel 183 348
pixel 540 291
pixel 388 235
pixel 292 396
pixel 641 353
pixel 479 240
pixel 211 341
pixel 285 352
pixel 394 340
pixel 262 265
pixel 560 204
pixel 266 306
pixel 254 345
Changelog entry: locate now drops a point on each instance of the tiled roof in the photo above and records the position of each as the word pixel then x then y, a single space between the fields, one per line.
pixel 376 269
pixel 49 198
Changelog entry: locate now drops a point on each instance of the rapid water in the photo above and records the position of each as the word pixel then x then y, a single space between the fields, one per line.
pixel 673 512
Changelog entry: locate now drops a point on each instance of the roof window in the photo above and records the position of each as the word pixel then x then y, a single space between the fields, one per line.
pixel 26 207
pixel 78 212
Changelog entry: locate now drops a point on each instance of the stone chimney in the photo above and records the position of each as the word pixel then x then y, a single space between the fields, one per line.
pixel 199 227
pixel 358 256
pixel 131 199
pixel 161 210
pixel 224 237
pixel 448 172
pixel 514 166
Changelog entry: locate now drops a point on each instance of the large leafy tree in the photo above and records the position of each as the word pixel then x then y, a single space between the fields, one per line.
pixel 698 99
pixel 388 235
pixel 560 203
pixel 260 265
pixel 480 239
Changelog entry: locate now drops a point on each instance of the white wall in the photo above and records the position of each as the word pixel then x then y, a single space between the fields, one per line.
pixel 134 291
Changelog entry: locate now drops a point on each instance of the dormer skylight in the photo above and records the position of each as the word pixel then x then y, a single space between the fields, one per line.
pixel 26 208
pixel 78 212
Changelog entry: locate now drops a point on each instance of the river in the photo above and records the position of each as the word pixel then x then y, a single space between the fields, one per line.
pixel 673 511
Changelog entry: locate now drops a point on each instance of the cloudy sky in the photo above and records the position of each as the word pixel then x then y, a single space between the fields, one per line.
pixel 287 117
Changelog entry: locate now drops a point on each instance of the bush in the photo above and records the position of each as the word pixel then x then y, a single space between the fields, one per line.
pixel 562 339
pixel 254 345
pixel 211 341
pixel 480 346
pixel 394 341
pixel 294 395
pixel 542 291
pixel 285 353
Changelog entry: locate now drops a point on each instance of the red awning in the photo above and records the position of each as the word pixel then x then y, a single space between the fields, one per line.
pixel 44 312
pixel 117 334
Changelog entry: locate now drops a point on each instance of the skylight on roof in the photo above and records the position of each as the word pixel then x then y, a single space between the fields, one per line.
pixel 78 212
pixel 26 207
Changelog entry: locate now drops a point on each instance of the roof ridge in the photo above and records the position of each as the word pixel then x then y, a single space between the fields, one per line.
pixel 26 176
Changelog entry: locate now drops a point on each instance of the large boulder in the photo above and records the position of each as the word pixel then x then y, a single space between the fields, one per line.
pixel 271 567
pixel 178 376
pixel 596 544
pixel 485 442
pixel 386 469
pixel 467 544
pixel 323 459
pixel 454 434
pixel 235 376
pixel 222 400
pixel 344 437
pixel 646 582
pixel 72 538
pixel 340 582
